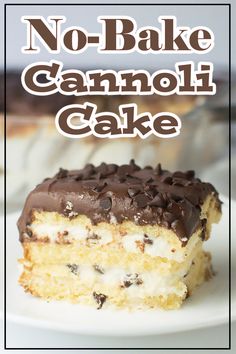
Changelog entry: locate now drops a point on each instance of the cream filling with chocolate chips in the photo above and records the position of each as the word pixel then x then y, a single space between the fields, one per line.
pixel 118 235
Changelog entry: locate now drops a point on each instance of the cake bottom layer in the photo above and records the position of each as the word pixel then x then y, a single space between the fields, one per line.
pixel 142 290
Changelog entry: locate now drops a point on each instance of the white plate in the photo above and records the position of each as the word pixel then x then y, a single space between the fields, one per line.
pixel 207 307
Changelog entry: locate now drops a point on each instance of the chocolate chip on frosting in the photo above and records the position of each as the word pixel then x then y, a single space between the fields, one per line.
pixel 158 169
pixel 190 174
pixel 148 180
pixel 124 170
pixel 133 164
pixel 133 191
pixel 167 179
pixel 167 216
pixel 62 173
pixel 106 203
pixel 79 177
pixel 158 201
pixel 111 169
pixel 102 170
pixel 141 200
pixel 99 187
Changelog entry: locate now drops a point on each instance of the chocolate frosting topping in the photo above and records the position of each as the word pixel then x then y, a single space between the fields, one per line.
pixel 123 193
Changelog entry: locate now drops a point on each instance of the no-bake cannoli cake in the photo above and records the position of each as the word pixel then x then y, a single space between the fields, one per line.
pixel 118 235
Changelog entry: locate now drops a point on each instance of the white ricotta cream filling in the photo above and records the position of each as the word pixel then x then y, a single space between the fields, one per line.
pixel 159 247
pixel 149 284
pixel 155 247
pixel 52 231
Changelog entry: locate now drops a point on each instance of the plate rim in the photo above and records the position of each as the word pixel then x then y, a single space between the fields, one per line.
pixel 52 325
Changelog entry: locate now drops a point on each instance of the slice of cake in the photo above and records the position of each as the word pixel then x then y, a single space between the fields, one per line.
pixel 120 235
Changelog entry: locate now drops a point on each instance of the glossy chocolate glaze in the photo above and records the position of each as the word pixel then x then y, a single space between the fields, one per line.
pixel 127 192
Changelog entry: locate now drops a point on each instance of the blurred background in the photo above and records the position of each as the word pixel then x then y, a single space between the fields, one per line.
pixel 36 150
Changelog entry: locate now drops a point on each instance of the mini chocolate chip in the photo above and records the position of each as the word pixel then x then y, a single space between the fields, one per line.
pixel 132 179
pixel 168 216
pixel 190 174
pixel 99 187
pixel 133 164
pixel 165 196
pixel 98 269
pixel 150 192
pixel 203 233
pixel 187 294
pixel 178 227
pixel 179 174
pixel 167 180
pixel 111 169
pixel 148 180
pixel 174 197
pixel 166 224
pixel 178 184
pixel 141 200
pixel 123 170
pixel 100 299
pixel 193 198
pixel 131 279
pixel 188 183
pixel 88 171
pixel 87 174
pixel 79 177
pixel 147 240
pixel 74 268
pixel 126 284
pixel 89 166
pixel 133 191
pixel 90 183
pixel 106 203
pixel 160 210
pixel 158 201
pixel 97 176
pixel 102 170
pixel 201 201
pixel 121 179
pixel 29 233
pixel 93 237
pixel 62 173
pixel 174 208
pixel 158 169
